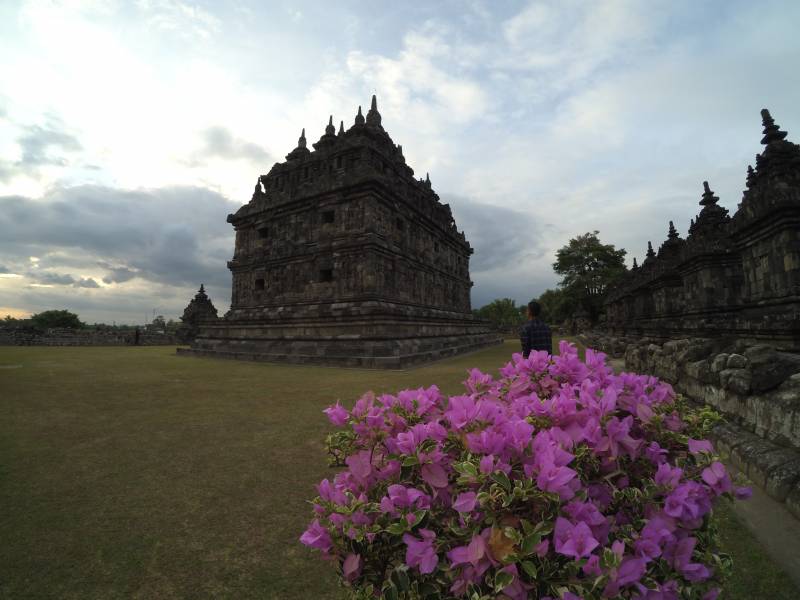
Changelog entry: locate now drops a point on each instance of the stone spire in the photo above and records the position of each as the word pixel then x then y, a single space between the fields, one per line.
pixel 301 150
pixel 359 117
pixel 428 179
pixel 635 266
pixel 373 116
pixel 673 234
pixel 341 127
pixel 772 132
pixel 650 252
pixel 708 196
pixel 329 138
pixel 751 176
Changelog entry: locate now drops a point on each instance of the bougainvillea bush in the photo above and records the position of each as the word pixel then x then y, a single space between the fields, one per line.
pixel 559 479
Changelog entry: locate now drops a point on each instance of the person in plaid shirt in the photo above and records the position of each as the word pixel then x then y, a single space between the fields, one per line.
pixel 535 334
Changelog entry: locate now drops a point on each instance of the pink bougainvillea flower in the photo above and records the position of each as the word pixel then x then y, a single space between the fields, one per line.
pixel 337 414
pixel 316 536
pixel 434 475
pixel 699 446
pixel 421 553
pixel 351 568
pixel 578 441
pixel 465 502
pixel 574 540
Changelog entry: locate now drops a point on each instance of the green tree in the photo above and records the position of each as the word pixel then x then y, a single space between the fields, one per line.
pixel 56 318
pixel 557 305
pixel 502 312
pixel 588 266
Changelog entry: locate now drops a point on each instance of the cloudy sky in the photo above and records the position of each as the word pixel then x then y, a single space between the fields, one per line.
pixel 130 129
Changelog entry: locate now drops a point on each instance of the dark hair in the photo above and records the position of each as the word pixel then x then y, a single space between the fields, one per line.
pixel 535 308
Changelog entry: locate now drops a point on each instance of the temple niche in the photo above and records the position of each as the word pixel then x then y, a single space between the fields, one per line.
pixel 343 257
pixel 735 276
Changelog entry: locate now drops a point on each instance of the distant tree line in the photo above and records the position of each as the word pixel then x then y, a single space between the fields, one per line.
pixel 64 319
pixel 587 268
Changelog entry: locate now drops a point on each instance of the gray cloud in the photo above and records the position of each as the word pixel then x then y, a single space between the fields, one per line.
pixel 500 236
pixel 6 171
pixel 116 274
pixel 36 143
pixel 4 269
pixel 48 278
pixel 220 143
pixel 173 238
pixel 87 283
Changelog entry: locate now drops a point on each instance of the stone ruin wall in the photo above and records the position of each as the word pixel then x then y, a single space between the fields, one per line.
pixel 82 337
pixel 717 315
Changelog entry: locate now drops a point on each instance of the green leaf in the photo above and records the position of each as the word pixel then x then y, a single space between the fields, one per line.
pixel 502 479
pixel 530 542
pixel 529 568
pixel 397 528
pixel 390 592
pixel 400 579
pixel 410 461
pixel 502 580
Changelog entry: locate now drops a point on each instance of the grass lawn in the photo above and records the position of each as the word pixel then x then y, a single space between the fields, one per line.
pixel 132 472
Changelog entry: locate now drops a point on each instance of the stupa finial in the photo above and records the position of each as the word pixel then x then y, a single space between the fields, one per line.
pixel 772 133
pixel 301 143
pixel 708 196
pixel 373 116
pixel 359 117
pixel 330 129
pixel 650 252
pixel 341 127
pixel 673 234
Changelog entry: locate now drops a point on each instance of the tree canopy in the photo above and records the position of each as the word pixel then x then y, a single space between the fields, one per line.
pixel 587 267
pixel 502 312
pixel 49 319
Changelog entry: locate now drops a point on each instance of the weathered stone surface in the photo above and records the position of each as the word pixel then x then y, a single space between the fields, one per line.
pixel 719 362
pixel 793 500
pixel 342 257
pixel 735 380
pixel 770 368
pixel 745 453
pixel 737 361
pixel 761 465
pixel 782 479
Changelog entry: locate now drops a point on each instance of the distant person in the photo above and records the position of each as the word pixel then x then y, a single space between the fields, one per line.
pixel 136 337
pixel 535 334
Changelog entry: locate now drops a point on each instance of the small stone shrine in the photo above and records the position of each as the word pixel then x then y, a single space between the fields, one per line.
pixel 199 310
pixel 343 258
pixel 736 276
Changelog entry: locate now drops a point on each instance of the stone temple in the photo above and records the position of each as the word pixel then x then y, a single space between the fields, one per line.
pixel 343 258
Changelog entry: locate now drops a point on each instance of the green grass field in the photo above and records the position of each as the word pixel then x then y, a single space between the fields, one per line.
pixel 135 473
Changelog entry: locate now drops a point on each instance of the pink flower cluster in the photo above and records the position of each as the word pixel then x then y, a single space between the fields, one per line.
pixel 558 479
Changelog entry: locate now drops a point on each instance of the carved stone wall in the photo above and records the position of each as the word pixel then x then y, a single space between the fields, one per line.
pixel 732 276
pixel 343 257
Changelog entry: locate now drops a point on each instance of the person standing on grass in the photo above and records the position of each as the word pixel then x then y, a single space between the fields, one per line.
pixel 535 334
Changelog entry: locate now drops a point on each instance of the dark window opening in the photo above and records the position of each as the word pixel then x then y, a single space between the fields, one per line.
pixel 326 275
pixel 305 173
pixel 338 162
pixel 259 284
pixel 263 233
pixel 400 224
pixel 328 216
